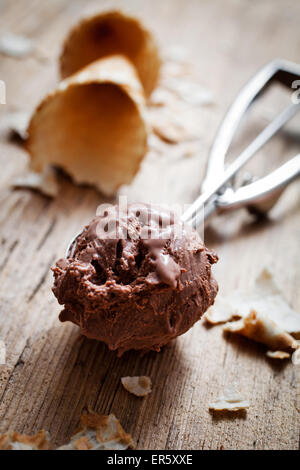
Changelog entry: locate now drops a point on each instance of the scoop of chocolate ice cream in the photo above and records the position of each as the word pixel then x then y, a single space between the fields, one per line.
pixel 136 279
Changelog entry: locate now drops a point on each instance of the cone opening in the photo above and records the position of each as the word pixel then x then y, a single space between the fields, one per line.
pixel 93 131
pixel 109 34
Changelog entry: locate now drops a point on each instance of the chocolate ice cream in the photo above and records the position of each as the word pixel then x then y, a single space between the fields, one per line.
pixel 136 279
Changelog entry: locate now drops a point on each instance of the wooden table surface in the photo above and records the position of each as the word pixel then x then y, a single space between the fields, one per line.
pixel 52 373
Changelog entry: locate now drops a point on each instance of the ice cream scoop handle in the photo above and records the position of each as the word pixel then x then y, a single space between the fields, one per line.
pixel 264 190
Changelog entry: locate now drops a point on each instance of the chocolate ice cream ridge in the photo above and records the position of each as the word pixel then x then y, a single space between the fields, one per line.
pixel 135 278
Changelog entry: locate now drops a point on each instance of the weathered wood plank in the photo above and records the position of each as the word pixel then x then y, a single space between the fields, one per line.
pixel 52 374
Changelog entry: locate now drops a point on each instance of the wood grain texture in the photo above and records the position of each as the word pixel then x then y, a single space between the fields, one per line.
pixel 53 374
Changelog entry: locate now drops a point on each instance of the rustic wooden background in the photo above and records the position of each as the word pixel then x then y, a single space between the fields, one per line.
pixel 52 374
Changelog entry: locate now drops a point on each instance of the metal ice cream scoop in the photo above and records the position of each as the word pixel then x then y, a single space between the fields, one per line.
pixel 218 194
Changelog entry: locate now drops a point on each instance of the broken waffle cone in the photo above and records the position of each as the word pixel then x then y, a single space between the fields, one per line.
pixel 92 126
pixel 15 441
pixel 99 432
pixel 139 386
pixel 112 33
pixel 262 329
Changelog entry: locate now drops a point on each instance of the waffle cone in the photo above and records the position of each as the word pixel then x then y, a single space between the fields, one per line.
pixel 112 33
pixel 92 126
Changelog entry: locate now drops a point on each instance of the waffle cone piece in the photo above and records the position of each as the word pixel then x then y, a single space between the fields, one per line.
pixel 92 125
pixel 107 34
